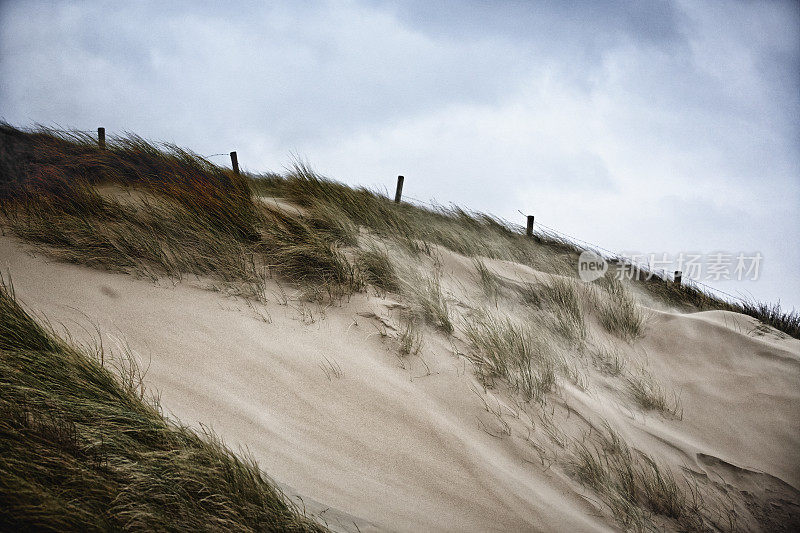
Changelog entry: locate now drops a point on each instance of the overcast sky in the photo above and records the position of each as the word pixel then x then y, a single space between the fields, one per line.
pixel 657 127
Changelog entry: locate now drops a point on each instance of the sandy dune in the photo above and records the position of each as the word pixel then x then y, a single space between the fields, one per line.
pixel 323 402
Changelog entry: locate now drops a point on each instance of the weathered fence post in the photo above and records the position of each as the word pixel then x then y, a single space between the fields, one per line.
pixel 529 229
pixel 101 138
pixel 399 193
pixel 235 163
pixel 678 276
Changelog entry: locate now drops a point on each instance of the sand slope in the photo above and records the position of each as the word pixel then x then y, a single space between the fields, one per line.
pixel 321 399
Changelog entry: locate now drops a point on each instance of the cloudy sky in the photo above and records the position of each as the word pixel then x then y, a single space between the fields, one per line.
pixel 657 127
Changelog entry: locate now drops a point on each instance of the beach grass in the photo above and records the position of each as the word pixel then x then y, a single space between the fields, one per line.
pixel 640 493
pixel 620 314
pixel 46 181
pixel 85 448
pixel 505 349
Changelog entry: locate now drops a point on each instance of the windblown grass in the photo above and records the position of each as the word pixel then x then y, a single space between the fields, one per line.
pixel 44 169
pixel 332 224
pixel 563 300
pixel 608 360
pixel 487 279
pixel 506 350
pixel 410 338
pixel 82 450
pixel 619 313
pixel 688 297
pixel 530 294
pixel 649 394
pixel 772 315
pixel 633 485
pixel 470 234
pixel 562 295
pixel 49 162
pixel 431 303
pixel 195 218
pixel 685 296
pixel 302 253
pixel 151 239
pixel 378 268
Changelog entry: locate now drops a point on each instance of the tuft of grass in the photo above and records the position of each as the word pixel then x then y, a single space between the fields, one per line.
pixel 633 485
pixel 83 450
pixel 563 300
pixel 470 234
pixel 530 294
pixel 608 466
pixel 660 491
pixel 608 361
pixel 773 315
pixel 507 350
pixel 410 338
pixel 332 224
pixel 619 313
pixel 487 279
pixel 431 303
pixel 572 372
pixel 378 268
pixel 303 254
pixel 562 295
pixel 649 394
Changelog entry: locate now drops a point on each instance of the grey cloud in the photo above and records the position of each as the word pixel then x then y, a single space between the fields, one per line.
pixel 586 23
pixel 351 70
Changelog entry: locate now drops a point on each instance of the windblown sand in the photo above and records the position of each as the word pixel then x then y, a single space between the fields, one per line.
pixel 321 399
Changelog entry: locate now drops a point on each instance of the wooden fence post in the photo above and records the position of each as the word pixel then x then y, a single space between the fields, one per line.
pixel 235 163
pixel 529 229
pixel 678 277
pixel 101 138
pixel 399 193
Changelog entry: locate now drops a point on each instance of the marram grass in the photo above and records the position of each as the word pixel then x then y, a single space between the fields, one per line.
pixel 83 449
